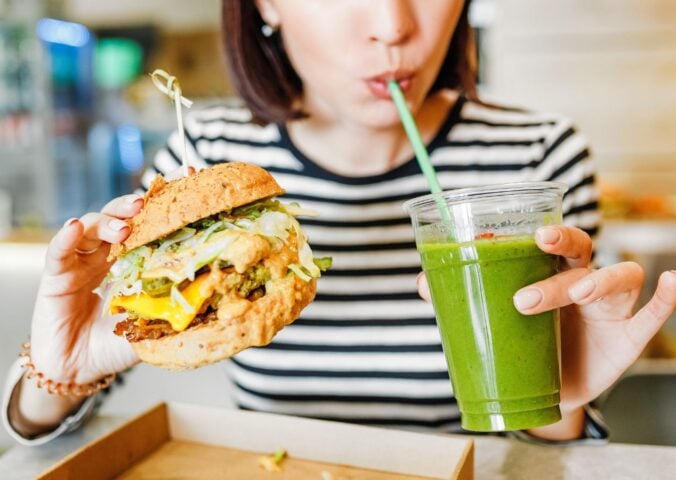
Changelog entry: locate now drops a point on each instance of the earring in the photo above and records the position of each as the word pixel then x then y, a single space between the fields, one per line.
pixel 268 30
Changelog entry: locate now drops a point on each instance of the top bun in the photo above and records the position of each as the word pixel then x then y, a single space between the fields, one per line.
pixel 169 206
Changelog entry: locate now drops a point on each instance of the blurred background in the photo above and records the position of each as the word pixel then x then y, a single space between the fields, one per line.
pixel 78 116
pixel 79 120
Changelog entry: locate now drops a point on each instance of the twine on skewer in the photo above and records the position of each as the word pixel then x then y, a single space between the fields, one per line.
pixel 168 84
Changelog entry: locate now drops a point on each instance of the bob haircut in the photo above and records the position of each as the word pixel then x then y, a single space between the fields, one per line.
pixel 270 87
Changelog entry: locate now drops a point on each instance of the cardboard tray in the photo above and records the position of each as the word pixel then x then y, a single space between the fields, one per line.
pixel 177 440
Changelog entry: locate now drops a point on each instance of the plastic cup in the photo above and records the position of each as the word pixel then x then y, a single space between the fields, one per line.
pixel 504 366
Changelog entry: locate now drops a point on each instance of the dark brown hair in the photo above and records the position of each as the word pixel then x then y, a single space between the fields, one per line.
pixel 265 79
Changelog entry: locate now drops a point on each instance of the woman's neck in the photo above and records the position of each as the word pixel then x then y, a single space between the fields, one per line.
pixel 352 150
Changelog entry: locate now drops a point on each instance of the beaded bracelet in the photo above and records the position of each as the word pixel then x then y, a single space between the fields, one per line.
pixel 59 388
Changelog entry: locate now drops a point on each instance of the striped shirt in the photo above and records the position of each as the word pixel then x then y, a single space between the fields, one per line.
pixel 368 350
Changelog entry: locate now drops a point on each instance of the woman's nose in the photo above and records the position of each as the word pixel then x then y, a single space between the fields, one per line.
pixel 393 21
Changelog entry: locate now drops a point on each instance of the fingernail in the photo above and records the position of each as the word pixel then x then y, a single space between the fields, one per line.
pixel 548 235
pixel 131 200
pixel 420 275
pixel 527 298
pixel 581 290
pixel 424 290
pixel 70 222
pixel 117 225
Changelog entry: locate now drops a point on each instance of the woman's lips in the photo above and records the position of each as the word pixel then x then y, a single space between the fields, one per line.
pixel 378 85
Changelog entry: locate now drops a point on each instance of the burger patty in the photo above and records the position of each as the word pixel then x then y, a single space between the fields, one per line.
pixel 135 330
pixel 249 286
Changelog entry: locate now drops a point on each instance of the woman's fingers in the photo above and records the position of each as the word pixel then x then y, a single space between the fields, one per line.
pixel 62 246
pixel 548 294
pixel 123 207
pixel 423 288
pixel 91 231
pixel 569 242
pixel 618 286
pixel 652 316
pixel 100 228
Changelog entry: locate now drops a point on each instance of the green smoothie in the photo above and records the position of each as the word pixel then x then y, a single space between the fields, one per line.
pixel 504 365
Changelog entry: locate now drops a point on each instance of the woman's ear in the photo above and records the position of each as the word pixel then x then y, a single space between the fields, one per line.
pixel 269 13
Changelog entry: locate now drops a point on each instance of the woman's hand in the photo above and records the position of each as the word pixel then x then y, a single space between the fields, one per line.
pixel 600 335
pixel 71 339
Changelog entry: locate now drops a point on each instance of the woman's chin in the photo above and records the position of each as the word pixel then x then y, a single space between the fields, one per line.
pixel 377 115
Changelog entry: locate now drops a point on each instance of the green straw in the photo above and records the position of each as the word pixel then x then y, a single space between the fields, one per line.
pixel 418 146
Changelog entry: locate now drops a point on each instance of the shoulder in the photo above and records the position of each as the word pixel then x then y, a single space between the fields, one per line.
pixel 561 153
pixel 228 110
pixel 225 132
pixel 515 123
pixel 506 142
pixel 228 120
pixel 500 114
pixel 550 140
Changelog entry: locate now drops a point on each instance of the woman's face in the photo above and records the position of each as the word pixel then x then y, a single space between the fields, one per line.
pixel 345 50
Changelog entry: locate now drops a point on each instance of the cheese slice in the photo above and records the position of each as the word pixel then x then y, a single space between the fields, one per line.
pixel 164 308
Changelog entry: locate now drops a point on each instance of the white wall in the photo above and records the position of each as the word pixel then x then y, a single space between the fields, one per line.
pixel 608 64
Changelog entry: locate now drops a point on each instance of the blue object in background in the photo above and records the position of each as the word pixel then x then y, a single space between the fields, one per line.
pixel 59 32
pixel 96 145
pixel 130 148
pixel 114 142
pixel 116 155
pixel 69 50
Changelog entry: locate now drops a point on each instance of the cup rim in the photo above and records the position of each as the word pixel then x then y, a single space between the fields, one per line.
pixel 461 195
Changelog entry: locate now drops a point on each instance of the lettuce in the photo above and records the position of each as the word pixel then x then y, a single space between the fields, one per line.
pixel 296 210
pixel 320 264
pixel 177 297
pixel 298 271
pixel 254 210
pixel 187 250
pixel 323 263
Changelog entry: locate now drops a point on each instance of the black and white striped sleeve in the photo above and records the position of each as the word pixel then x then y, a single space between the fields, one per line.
pixel 74 421
pixel 567 159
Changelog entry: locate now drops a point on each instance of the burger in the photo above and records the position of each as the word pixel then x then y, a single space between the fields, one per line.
pixel 214 264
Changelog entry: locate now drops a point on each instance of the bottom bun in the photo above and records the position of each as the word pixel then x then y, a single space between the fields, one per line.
pixel 216 340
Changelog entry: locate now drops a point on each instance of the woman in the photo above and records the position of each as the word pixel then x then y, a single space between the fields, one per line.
pixel 313 76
